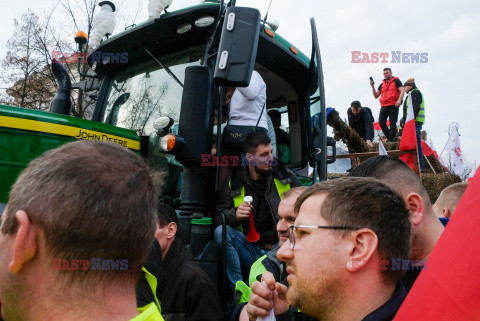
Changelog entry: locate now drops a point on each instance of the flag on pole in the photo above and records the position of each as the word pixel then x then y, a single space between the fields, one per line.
pixel 409 136
pixel 449 287
pixel 453 147
pixel 381 149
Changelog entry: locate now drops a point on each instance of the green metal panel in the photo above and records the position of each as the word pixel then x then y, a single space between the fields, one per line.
pixel 26 134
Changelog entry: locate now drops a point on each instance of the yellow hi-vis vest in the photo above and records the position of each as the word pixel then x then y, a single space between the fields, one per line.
pixel 281 188
pixel 237 200
pixel 421 113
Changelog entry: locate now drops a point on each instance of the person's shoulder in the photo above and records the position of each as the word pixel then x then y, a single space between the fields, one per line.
pixel 195 277
pixel 257 77
pixel 416 92
pixel 366 110
pixel 398 82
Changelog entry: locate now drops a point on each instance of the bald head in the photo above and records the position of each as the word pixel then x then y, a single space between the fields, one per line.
pixel 394 172
pixel 448 200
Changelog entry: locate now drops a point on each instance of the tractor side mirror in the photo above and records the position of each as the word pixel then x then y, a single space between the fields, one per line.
pixel 238 47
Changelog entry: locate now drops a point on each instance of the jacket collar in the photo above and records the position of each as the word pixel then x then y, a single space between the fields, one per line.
pixel 173 259
pixel 241 177
pixel 388 310
pixel 154 259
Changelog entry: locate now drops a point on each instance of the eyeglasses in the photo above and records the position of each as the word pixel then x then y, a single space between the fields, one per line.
pixel 293 228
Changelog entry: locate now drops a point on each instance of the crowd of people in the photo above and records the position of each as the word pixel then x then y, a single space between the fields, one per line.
pixel 392 93
pixel 343 249
pixel 335 250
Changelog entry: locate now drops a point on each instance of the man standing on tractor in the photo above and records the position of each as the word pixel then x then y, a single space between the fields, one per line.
pixel 391 90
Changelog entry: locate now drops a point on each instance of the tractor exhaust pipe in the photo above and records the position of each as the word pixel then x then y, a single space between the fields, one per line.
pixel 61 103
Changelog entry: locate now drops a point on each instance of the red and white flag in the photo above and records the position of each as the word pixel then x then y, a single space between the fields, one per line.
pixel 409 136
pixel 453 147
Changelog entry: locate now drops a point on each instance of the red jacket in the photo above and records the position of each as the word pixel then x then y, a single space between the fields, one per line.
pixel 389 92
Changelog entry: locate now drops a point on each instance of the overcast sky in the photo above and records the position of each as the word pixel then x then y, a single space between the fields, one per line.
pixel 447 31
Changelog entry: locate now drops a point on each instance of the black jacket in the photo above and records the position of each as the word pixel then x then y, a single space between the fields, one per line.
pixel 388 310
pixel 183 289
pixel 241 177
pixel 362 123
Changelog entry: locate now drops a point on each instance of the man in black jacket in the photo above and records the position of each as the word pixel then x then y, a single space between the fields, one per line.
pixel 183 290
pixel 259 178
pixel 361 120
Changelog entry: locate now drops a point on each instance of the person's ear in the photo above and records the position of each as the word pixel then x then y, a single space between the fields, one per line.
pixel 171 230
pixel 249 157
pixel 363 244
pixel 25 244
pixel 416 207
pixel 446 213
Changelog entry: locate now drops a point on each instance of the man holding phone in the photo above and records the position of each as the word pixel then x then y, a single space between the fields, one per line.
pixel 391 91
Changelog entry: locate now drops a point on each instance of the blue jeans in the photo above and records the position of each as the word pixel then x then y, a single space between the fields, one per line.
pixel 240 253
pixel 418 129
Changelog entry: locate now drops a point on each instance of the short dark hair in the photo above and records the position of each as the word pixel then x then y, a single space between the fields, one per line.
pixel 91 199
pixel 166 215
pixel 356 104
pixel 394 172
pixel 254 139
pixel 367 203
pixel 387 69
pixel 276 117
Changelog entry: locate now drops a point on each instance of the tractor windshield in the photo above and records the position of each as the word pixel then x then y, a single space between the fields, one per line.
pixel 141 94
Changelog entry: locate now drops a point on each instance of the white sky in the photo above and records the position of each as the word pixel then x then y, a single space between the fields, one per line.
pixel 448 31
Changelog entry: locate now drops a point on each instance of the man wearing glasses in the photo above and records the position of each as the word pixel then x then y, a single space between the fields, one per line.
pixel 270 262
pixel 340 252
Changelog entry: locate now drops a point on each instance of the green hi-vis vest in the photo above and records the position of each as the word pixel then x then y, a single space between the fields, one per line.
pixel 152 282
pixel 237 200
pixel 421 113
pixel 243 291
pixel 148 313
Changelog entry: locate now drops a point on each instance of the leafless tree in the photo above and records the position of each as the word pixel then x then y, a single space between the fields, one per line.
pixel 23 67
pixel 26 70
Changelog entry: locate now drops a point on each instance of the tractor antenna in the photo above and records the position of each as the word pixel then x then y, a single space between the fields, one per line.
pixel 266 14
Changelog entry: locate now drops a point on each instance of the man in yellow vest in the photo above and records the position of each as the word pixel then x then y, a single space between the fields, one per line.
pixel 419 111
pixel 75 234
pixel 264 179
